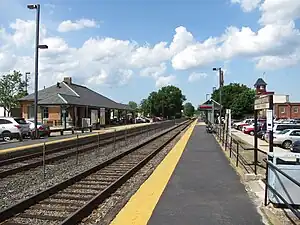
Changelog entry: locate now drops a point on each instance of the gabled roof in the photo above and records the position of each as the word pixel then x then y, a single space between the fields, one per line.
pixel 73 94
pixel 260 82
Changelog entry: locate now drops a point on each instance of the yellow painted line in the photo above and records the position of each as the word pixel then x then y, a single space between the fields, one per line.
pixel 108 130
pixel 139 208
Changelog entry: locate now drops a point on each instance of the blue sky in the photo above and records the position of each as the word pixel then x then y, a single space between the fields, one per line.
pixel 145 23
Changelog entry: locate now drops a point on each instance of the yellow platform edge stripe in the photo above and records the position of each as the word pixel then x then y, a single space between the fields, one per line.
pixel 95 132
pixel 139 208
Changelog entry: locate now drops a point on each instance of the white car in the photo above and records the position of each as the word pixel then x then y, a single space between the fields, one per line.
pixel 243 123
pixel 10 129
pixel 286 138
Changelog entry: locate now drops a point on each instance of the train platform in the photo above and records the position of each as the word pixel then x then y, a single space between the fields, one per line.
pixel 28 143
pixel 194 184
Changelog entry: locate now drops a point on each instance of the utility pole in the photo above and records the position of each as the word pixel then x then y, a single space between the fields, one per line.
pixel 36 63
pixel 26 81
pixel 221 83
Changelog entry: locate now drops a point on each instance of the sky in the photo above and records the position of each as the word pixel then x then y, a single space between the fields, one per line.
pixel 124 49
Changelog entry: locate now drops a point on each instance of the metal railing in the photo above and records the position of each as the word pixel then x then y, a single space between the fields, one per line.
pixel 268 187
pixel 235 147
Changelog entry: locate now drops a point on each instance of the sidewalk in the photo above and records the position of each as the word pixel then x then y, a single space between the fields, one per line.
pixel 262 145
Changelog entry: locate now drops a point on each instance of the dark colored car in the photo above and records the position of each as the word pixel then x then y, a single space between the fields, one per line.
pixel 296 147
pixel 44 130
pixel 261 134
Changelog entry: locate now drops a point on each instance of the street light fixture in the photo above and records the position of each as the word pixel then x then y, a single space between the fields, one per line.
pixel 36 64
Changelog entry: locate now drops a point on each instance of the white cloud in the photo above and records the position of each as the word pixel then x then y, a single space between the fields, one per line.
pixel 275 11
pixel 196 76
pixel 68 25
pixel 247 5
pixel 165 80
pixel 278 37
pixel 110 61
pixel 154 71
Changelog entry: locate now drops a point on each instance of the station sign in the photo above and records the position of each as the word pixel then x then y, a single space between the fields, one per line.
pixel 269 119
pixel 261 102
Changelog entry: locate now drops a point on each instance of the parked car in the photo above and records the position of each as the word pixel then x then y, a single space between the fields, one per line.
pixel 25 130
pixel 240 124
pixel 249 129
pixel 286 137
pixel 10 129
pixel 296 147
pixel 44 130
pixel 261 134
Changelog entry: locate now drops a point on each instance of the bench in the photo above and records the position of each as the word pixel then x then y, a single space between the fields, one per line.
pixel 73 129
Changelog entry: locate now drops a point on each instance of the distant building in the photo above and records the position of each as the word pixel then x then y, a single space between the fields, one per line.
pixel 70 104
pixel 283 108
pixel 288 110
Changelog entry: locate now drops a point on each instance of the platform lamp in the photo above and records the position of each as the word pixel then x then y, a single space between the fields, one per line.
pixel 36 64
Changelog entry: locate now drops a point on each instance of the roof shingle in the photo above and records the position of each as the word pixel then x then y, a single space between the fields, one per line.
pixel 74 94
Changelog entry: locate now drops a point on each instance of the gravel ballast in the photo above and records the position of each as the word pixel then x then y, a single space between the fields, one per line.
pixel 25 184
pixel 106 211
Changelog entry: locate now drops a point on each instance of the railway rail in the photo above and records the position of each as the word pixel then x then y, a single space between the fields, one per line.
pixel 18 164
pixel 75 198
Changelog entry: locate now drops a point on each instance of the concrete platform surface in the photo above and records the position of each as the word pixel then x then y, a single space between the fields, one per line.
pixel 204 189
pixel 56 136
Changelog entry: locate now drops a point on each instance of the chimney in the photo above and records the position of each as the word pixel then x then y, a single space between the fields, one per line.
pixel 68 80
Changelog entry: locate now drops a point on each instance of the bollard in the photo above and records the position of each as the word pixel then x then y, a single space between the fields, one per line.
pixel 77 152
pixel 44 159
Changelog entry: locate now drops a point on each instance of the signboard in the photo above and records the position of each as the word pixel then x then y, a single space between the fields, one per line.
pixel 269 119
pixel 261 103
pixel 102 116
pixel 94 116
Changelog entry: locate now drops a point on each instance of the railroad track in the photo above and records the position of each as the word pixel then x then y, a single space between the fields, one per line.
pixel 26 162
pixel 74 199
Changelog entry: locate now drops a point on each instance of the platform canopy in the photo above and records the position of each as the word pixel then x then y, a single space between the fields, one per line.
pixel 208 105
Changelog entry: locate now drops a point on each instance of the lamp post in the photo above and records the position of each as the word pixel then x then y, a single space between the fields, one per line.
pixel 36 64
pixel 26 82
pixel 221 82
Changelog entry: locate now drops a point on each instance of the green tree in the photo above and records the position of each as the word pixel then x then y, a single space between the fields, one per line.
pixel 231 94
pixel 243 104
pixel 188 109
pixel 144 107
pixel 133 105
pixel 12 88
pixel 166 102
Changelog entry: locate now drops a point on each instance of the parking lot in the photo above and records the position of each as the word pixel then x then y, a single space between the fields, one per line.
pixel 285 132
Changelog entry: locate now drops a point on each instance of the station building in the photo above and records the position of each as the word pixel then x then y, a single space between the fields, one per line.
pixel 70 104
pixel 283 108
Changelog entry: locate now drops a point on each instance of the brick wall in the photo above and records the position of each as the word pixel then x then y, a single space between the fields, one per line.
pixel 287 110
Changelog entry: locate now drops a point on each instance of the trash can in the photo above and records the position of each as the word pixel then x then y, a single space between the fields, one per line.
pixel 289 164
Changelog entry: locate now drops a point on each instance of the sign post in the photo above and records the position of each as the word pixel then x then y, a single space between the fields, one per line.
pixel 264 102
